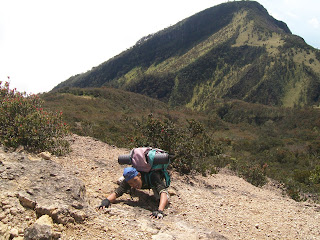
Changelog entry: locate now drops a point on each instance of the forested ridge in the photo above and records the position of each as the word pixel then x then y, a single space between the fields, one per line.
pixel 234 50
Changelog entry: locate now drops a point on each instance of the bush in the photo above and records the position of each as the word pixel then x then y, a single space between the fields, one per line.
pixel 24 122
pixel 253 173
pixel 196 150
pixel 156 133
pixel 315 175
pixel 191 147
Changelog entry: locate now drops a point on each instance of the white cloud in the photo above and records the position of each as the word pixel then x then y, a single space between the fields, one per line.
pixel 314 22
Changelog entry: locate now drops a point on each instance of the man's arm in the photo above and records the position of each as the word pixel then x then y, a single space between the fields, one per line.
pixel 124 186
pixel 163 201
pixel 161 189
pixel 112 197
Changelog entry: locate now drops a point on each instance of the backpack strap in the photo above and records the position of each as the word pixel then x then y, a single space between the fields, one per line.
pixel 158 167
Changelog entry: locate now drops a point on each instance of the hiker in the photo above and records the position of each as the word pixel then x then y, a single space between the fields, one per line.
pixel 139 180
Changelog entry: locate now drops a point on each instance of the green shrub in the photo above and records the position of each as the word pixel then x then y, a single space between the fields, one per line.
pixel 157 133
pixel 191 147
pixel 196 150
pixel 253 173
pixel 301 176
pixel 293 193
pixel 24 122
pixel 315 175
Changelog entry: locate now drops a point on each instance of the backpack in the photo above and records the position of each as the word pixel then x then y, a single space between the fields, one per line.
pixel 143 158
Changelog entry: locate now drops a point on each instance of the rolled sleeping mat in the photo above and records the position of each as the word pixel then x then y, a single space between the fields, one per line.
pixel 124 159
pixel 159 158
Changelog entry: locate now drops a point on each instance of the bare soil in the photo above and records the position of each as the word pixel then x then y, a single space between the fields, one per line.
pixel 220 206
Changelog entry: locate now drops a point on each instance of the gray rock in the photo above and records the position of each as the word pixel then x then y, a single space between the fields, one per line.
pixel 26 201
pixel 38 231
pixel 41 229
pixel 45 155
pixel 46 187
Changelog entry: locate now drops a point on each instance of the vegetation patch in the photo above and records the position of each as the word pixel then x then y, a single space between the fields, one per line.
pixel 23 121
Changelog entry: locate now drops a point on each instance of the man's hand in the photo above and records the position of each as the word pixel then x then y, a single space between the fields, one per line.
pixel 157 214
pixel 104 204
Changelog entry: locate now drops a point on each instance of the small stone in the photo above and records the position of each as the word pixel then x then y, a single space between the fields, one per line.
pixel 20 149
pixel 6 207
pixel 60 228
pixel 56 235
pixel 77 205
pixel 13 211
pixel 172 192
pixel 5 220
pixel 257 226
pixel 79 216
pixel 7 211
pixel 14 233
pixel 2 215
pixel 45 220
pixel 26 201
pixel 45 155
pixel 5 202
pixel 41 229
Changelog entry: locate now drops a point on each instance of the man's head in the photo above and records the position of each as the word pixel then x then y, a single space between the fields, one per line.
pixel 133 177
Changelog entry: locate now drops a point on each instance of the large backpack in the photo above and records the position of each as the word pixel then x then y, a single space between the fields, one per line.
pixel 142 159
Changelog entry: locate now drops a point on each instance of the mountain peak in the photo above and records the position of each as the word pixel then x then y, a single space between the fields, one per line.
pixel 232 50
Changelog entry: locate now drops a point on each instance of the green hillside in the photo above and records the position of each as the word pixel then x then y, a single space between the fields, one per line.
pixel 235 50
pixel 254 140
pixel 108 114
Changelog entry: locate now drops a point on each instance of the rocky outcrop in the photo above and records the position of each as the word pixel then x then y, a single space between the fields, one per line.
pixel 34 186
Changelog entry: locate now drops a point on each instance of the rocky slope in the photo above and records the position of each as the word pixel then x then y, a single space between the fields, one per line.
pixel 57 199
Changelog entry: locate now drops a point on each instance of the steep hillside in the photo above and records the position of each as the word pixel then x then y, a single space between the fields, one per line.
pixel 220 206
pixel 108 114
pixel 233 50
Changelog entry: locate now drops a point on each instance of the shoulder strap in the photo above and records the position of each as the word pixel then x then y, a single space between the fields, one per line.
pixel 158 167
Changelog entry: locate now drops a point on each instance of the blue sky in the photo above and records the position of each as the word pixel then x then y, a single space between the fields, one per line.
pixel 44 42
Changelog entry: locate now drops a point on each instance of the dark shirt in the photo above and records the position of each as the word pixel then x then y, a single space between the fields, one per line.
pixel 156 181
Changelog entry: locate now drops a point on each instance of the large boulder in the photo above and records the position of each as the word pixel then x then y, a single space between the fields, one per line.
pixel 45 187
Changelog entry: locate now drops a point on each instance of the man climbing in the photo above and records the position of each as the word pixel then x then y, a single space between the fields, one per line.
pixel 141 180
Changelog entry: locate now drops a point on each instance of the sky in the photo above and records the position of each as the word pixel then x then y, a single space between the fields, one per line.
pixel 44 42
